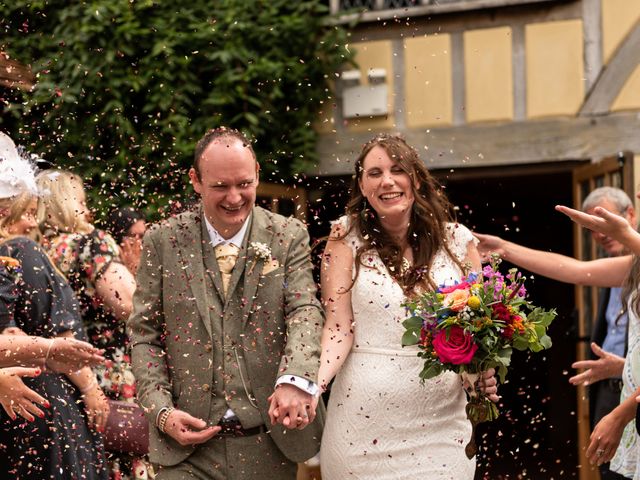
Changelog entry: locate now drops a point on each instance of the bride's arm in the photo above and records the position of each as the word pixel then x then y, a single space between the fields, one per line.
pixel 337 333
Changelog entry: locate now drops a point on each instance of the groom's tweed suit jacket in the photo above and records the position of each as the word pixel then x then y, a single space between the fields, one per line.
pixel 179 305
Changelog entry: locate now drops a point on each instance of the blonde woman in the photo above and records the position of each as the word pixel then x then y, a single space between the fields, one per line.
pixel 90 259
pixel 58 442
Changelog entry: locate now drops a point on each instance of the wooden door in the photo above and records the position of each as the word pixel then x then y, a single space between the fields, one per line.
pixel 283 199
pixel 613 172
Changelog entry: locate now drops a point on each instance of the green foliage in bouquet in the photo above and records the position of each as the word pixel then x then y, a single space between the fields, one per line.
pixel 474 325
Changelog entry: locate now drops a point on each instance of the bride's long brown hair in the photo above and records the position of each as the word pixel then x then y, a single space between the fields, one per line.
pixel 430 213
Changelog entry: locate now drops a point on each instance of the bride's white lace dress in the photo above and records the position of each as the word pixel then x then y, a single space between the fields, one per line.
pixel 382 423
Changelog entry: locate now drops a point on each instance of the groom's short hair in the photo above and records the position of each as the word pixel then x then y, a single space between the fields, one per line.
pixel 214 134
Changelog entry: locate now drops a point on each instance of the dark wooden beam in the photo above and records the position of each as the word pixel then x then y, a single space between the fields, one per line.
pixel 435 8
pixel 487 145
pixel 614 75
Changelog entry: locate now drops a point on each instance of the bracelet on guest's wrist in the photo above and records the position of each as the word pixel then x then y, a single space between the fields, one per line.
pixel 46 357
pixel 89 387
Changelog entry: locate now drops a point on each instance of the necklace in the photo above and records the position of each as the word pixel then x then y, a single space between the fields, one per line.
pixel 406 265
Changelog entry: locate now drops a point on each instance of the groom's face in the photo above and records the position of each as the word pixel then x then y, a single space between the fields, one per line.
pixel 227 184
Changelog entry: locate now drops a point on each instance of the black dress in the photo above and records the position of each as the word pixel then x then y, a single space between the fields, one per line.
pixel 61 445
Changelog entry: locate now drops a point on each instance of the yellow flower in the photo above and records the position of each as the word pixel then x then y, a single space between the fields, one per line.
pixel 473 302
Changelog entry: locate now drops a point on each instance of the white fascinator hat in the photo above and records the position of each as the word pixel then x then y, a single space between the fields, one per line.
pixel 17 174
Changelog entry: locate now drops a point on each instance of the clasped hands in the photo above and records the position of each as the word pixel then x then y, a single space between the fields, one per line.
pixel 288 405
pixel 292 407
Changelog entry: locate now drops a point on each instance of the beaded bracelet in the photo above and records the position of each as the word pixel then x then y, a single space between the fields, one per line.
pixel 164 417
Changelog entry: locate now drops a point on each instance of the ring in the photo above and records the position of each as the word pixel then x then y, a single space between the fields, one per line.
pixel 599 452
pixel 305 416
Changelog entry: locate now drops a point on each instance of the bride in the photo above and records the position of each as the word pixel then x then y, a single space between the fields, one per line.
pixel 396 239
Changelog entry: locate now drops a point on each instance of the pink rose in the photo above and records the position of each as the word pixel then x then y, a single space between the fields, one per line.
pixel 457 286
pixel 459 349
pixel 456 300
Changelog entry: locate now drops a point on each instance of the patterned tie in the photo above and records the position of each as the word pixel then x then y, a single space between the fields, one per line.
pixel 227 256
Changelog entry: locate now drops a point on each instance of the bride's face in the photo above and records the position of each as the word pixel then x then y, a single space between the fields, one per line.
pixel 386 185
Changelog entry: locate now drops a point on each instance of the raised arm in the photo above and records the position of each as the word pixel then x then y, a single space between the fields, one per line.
pixel 115 288
pixel 61 355
pixel 603 272
pixel 336 279
pixel 607 223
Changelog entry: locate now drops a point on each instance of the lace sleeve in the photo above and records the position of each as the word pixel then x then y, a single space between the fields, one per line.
pixel 459 238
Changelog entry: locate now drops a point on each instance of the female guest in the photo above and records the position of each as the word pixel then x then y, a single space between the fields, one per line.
pixel 396 240
pixel 615 437
pixel 90 259
pixel 127 227
pixel 38 300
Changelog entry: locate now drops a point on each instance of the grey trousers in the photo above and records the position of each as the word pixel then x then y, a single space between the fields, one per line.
pixel 233 458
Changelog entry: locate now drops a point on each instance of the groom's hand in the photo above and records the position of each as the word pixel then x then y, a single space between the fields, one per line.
pixel 188 430
pixel 292 407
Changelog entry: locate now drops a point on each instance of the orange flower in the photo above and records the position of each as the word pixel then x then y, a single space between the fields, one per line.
pixel 9 262
pixel 456 300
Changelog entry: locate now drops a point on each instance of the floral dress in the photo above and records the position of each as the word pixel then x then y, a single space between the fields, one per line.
pixel 84 258
pixel 627 458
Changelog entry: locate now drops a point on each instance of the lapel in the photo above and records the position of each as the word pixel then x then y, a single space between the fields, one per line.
pixel 196 252
pixel 260 231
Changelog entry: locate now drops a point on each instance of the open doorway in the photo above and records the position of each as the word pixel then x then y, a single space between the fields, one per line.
pixel 536 436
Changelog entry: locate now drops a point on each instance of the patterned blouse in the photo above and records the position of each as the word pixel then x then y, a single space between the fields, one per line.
pixel 83 258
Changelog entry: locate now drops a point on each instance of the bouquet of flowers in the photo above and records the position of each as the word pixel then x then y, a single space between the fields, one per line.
pixel 474 325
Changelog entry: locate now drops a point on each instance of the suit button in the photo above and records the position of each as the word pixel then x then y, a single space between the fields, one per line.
pixel 208 347
pixel 206 388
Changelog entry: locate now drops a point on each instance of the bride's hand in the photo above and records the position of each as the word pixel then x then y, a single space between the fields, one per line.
pixel 488 385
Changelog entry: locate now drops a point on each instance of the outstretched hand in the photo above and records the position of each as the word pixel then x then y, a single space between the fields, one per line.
pixel 96 407
pixel 602 221
pixel 489 244
pixel 292 407
pixel 18 399
pixel 67 355
pixel 188 430
pixel 607 365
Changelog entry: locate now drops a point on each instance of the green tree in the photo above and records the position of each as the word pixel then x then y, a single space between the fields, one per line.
pixel 126 87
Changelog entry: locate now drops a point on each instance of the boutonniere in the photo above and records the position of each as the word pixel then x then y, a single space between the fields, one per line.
pixel 261 251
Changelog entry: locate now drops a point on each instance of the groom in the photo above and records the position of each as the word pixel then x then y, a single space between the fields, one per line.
pixel 225 316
